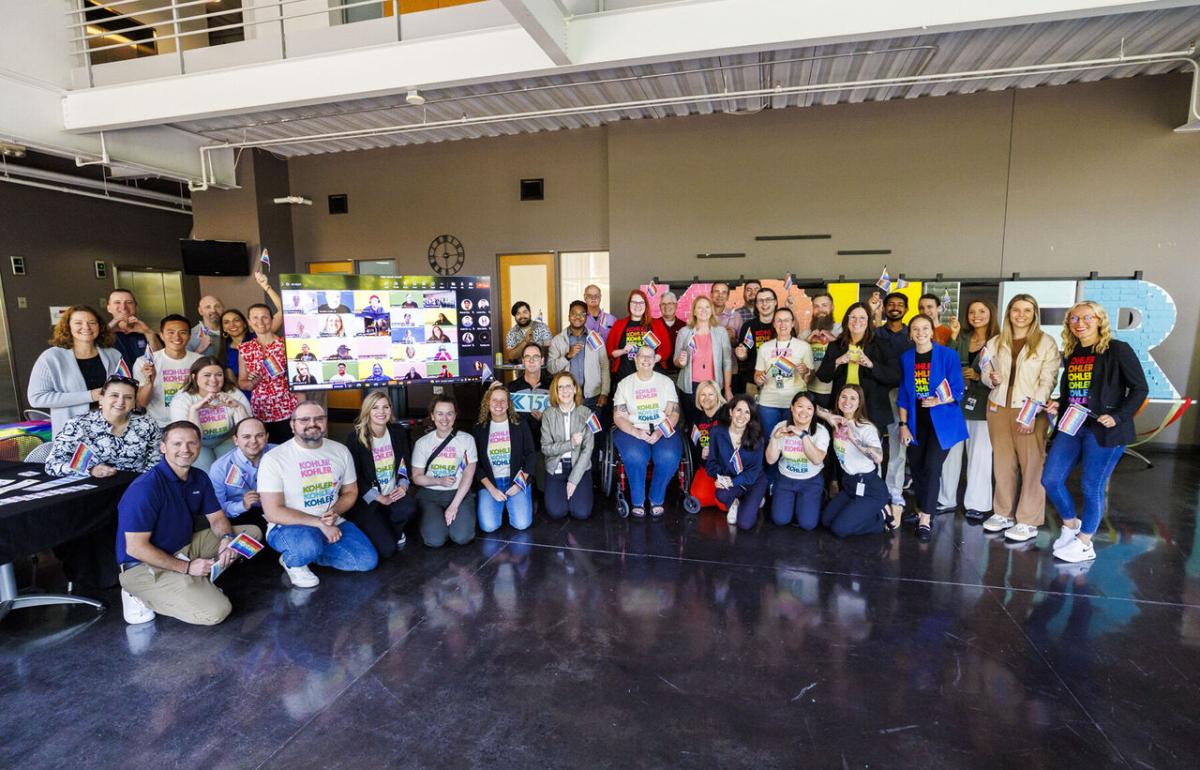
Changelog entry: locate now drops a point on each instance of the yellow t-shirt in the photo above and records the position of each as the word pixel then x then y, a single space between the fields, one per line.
pixel 852 367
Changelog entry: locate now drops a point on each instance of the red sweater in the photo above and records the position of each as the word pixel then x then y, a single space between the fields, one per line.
pixel 618 330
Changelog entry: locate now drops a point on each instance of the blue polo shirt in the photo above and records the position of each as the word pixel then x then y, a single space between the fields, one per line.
pixel 161 503
pixel 132 346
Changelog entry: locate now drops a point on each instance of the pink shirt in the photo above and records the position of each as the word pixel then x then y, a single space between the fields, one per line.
pixel 702 359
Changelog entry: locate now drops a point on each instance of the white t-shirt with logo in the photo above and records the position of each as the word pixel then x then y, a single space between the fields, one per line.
pixel 384 458
pixel 170 376
pixel 852 460
pixel 793 463
pixel 310 479
pixel 778 390
pixel 215 422
pixel 450 462
pixel 499 449
pixel 646 400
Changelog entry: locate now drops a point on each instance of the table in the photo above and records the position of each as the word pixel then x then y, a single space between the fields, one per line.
pixel 34 525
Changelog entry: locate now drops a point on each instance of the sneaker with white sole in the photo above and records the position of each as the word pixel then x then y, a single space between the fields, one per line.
pixel 1076 551
pixel 731 517
pixel 998 523
pixel 403 541
pixel 135 610
pixel 301 577
pixel 1065 537
pixel 1021 532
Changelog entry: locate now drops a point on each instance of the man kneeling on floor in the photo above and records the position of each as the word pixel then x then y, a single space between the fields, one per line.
pixel 164 564
pixel 306 484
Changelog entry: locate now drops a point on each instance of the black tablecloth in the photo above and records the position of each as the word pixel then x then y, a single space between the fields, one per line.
pixel 35 525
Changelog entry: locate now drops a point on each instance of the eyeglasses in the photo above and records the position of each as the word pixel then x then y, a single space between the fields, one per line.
pixel 531 358
pixel 636 303
pixel 306 420
pixel 1087 319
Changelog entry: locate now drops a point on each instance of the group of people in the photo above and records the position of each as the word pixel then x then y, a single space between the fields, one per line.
pixel 757 402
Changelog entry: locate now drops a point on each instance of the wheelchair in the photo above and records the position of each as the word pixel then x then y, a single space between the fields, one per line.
pixel 613 480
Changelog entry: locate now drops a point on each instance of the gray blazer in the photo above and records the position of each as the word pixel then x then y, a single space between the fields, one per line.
pixel 57 384
pixel 722 357
pixel 556 440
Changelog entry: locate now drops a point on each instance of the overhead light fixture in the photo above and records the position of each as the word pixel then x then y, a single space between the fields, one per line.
pixel 294 200
pixel 10 150
pixel 414 98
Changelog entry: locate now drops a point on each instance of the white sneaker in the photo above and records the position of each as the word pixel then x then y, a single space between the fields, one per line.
pixel 732 515
pixel 301 577
pixel 998 523
pixel 1076 551
pixel 403 541
pixel 1065 537
pixel 134 609
pixel 1021 532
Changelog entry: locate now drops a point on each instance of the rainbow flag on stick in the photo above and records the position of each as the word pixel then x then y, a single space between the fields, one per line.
pixel 82 460
pixel 985 358
pixel 943 392
pixel 486 374
pixel 885 281
pixel 787 283
pixel 235 477
pixel 1029 412
pixel 691 346
pixel 666 428
pixel 1073 419
pixel 785 366
pixel 122 368
pixel 649 338
pixel 264 259
pixel 748 339
pixel 594 340
pixel 272 366
pixel 736 461
pixel 651 289
pixel 594 425
pixel 246 545
pixel 697 434
pixel 522 480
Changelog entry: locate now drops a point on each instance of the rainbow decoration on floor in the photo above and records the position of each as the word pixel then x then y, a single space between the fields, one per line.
pixel 82 460
pixel 666 428
pixel 943 392
pixel 235 477
pixel 246 545
pixel 522 480
pixel 594 340
pixel 736 461
pixel 1029 412
pixel 594 425
pixel 1073 419
pixel 272 366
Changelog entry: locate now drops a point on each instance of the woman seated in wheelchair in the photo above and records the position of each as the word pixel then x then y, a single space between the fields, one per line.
pixel 703 418
pixel 646 413
pixel 735 461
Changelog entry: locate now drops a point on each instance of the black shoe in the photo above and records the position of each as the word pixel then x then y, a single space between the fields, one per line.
pixel 925 532
pixel 909 517
pixel 975 515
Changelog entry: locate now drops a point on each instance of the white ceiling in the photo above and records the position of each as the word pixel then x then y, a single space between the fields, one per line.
pixel 1063 41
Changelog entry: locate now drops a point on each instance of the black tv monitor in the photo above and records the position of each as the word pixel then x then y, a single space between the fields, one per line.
pixel 214 257
pixel 369 331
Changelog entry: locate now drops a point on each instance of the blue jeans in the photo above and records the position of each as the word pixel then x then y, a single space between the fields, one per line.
pixel 301 546
pixel 749 497
pixel 558 505
pixel 798 501
pixel 770 416
pixel 1098 463
pixel 491 511
pixel 636 455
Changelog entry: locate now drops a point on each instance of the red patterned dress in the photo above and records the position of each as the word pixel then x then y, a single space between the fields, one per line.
pixel 271 400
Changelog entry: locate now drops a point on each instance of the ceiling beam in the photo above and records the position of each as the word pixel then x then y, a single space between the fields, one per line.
pixel 546 23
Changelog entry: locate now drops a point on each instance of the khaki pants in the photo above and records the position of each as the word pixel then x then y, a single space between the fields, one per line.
pixel 1013 452
pixel 185 597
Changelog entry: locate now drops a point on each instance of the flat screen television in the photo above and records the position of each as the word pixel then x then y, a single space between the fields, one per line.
pixel 214 257
pixel 365 331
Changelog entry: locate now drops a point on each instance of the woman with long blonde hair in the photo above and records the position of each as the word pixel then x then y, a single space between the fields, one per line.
pixel 1103 382
pixel 1022 367
pixel 701 355
pixel 382 463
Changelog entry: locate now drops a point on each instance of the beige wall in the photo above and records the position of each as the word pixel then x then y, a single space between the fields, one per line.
pixel 1056 181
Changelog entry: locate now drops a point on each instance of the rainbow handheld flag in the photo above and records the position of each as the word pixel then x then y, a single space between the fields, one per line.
pixel 748 339
pixel 235 477
pixel 788 283
pixel 666 428
pixel 1073 419
pixel 651 289
pixel 246 545
pixel 885 281
pixel 736 461
pixel 401 470
pixel 522 480
pixel 985 358
pixel 1029 412
pixel 697 434
pixel 462 464
pixel 594 340
pixel 691 346
pixel 272 366
pixel 594 425
pixel 486 373
pixel 265 260
pixel 946 299
pixel 122 369
pixel 649 338
pixel 943 392
pixel 82 460
pixel 785 366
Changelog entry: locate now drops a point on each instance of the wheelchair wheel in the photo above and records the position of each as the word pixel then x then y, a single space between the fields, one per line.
pixel 691 504
pixel 689 469
pixel 608 463
pixel 622 507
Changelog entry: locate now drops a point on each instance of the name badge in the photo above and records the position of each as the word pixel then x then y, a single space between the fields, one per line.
pixel 860 489
pixel 970 403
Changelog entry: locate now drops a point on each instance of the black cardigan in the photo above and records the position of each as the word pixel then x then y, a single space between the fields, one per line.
pixel 1118 389
pixel 364 462
pixel 522 451
pixel 876 381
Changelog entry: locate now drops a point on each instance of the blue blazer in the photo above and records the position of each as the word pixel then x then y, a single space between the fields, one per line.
pixel 944 364
pixel 720 458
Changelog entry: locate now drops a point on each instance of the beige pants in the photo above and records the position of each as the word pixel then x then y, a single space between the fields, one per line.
pixel 1014 452
pixel 185 597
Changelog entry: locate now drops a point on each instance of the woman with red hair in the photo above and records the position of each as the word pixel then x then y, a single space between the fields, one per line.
pixel 628 333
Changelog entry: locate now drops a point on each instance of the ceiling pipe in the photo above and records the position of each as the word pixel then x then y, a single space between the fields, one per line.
pixel 104 159
pixel 95 184
pixel 100 196
pixel 1177 57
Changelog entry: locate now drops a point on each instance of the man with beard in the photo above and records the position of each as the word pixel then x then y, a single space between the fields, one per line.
pixel 821 331
pixel 305 485
pixel 524 330
pixel 895 333
pixel 208 329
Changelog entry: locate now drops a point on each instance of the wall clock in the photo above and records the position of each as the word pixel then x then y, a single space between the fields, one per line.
pixel 446 255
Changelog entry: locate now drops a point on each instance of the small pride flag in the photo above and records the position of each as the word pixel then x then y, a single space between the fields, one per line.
pixel 748 339
pixel 943 392
pixel 946 299
pixel 666 428
pixel 401 470
pixel 594 425
pixel 1029 412
pixel 651 289
pixel 737 461
pixel 265 260
pixel 594 340
pixel 785 366
pixel 1073 419
pixel 697 434
pixel 462 464
pixel 650 339
pixel 235 477
pixel 985 358
pixel 691 346
pixel 272 366
pixel 246 545
pixel 122 369
pixel 787 283
pixel 885 281
pixel 82 460
pixel 486 373
pixel 522 480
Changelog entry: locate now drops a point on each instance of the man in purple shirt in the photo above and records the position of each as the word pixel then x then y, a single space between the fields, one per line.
pixel 597 319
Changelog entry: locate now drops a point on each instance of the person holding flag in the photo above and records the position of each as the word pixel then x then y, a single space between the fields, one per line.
pixel 1102 382
pixel 569 431
pixel 784 368
pixel 114 439
pixel 861 506
pixel 164 373
pixel 641 403
pixel 67 377
pixel 798 445
pixel 380 450
pixel 703 353
pixel 754 333
pixel 234 475
pixel 580 351
pixel 262 369
pixel 931 421
pixel 507 459
pixel 703 418
pixel 625 337
pixel 735 462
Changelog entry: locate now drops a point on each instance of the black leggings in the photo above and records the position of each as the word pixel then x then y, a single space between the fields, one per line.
pixel 383 524
pixel 925 460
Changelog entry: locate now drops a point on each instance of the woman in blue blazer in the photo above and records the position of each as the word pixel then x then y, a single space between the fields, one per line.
pixel 931 422
pixel 741 483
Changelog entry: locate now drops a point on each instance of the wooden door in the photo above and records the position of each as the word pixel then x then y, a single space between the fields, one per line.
pixel 532 278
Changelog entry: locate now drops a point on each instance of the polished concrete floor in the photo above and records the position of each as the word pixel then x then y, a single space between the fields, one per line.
pixel 613 643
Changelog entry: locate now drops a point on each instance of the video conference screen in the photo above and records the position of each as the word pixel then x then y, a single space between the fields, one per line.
pixel 367 331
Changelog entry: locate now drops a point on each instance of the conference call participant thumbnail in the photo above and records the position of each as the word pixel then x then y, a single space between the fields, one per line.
pixel 300 302
pixel 303 373
pixel 341 372
pixel 335 301
pixel 336 350
pixel 404 318
pixel 371 347
pixel 408 335
pixel 442 370
pixel 441 335
pixel 435 299
pixel 373 372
